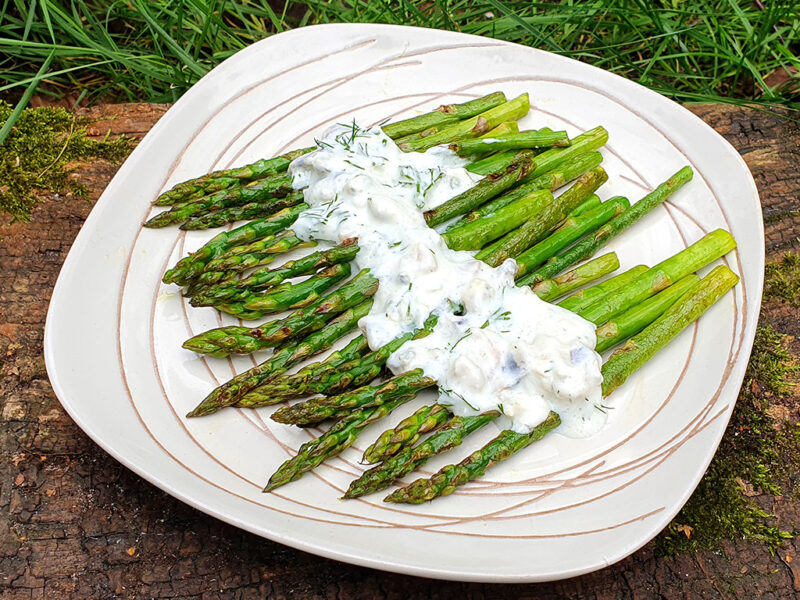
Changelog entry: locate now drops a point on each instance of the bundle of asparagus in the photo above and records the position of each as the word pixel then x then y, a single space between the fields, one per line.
pixel 656 326
pixel 510 213
pixel 619 311
pixel 262 188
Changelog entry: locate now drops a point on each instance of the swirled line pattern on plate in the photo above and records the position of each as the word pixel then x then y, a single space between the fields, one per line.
pixel 599 493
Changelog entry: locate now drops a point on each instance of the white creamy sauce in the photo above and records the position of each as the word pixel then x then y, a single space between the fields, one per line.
pixel 495 346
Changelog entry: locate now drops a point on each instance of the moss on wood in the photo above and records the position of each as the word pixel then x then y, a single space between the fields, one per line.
pixel 782 279
pixel 754 461
pixel 40 154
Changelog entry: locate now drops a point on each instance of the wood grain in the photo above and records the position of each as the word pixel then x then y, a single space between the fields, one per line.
pixel 74 523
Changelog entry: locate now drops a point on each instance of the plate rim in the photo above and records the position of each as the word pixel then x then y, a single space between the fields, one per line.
pixel 318 548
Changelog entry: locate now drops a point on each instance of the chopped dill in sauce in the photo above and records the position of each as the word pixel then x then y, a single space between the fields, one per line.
pixel 495 346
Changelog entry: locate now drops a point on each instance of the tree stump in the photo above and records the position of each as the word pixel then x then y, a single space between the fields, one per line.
pixel 74 523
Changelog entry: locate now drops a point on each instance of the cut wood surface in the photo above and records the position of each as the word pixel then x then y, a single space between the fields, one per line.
pixel 74 523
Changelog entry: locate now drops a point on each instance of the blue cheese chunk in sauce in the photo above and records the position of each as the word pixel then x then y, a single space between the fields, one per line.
pixel 495 346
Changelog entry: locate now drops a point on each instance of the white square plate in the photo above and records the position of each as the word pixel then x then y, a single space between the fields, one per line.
pixel 562 507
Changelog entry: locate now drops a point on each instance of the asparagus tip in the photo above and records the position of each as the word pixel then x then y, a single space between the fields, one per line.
pixel 203 347
pixel 202 409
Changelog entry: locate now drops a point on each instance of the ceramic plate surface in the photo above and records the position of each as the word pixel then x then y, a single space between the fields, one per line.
pixel 560 508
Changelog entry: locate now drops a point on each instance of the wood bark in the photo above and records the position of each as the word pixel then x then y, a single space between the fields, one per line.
pixel 74 523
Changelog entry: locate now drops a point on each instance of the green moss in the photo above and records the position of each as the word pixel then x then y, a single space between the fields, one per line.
pixel 39 155
pixel 755 455
pixel 782 279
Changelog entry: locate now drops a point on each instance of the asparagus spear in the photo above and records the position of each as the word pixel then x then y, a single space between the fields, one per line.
pixel 320 408
pixel 229 392
pixel 687 309
pixel 218 180
pixel 635 319
pixel 614 227
pixel 190 266
pixel 549 181
pixel 497 161
pixel 208 279
pixel 447 479
pixel 515 141
pixel 590 203
pixel 287 295
pixel 243 340
pixel 505 128
pixel 357 372
pixel 487 188
pixel 493 163
pixel 252 210
pixel 447 113
pixel 406 433
pixel 259 191
pixel 357 348
pixel 584 298
pixel 550 289
pixel 549 159
pixel 272 186
pixel 270 250
pixel 411 458
pixel 331 443
pixel 257 246
pixel 479 232
pixel 473 127
pixel 709 248
pixel 268 278
pixel 188 190
pixel 570 230
pixel 237 309
pixel 502 129
pixel 518 240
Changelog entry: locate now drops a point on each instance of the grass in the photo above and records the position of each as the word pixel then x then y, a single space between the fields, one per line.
pixel 139 50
